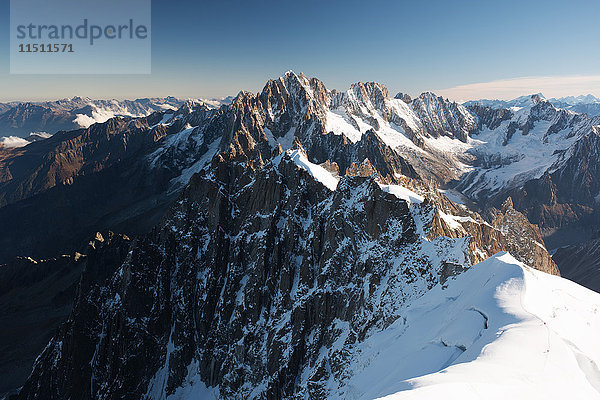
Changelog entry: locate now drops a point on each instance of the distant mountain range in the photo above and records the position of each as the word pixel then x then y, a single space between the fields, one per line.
pixel 584 104
pixel 20 119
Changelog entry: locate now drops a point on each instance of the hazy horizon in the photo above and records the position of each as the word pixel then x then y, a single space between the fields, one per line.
pixel 498 90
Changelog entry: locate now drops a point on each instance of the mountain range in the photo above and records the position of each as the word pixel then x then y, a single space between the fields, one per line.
pixel 303 242
pixel 583 104
pixel 19 120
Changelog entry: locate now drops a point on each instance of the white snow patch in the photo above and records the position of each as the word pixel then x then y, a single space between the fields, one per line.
pixel 523 158
pixel 165 118
pixel 176 140
pixel 395 137
pixel 404 111
pixel 454 196
pixel 316 171
pixel 450 220
pixel 206 158
pixel 337 122
pixel 285 141
pixel 403 193
pixel 455 221
pixel 193 387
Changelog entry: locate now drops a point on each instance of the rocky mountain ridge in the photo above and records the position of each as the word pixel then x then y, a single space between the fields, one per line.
pixel 484 153
pixel 275 265
pixel 582 104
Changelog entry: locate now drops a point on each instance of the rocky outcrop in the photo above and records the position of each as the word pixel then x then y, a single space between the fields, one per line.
pixel 488 117
pixel 507 230
pixel 566 198
pixel 404 97
pixel 529 246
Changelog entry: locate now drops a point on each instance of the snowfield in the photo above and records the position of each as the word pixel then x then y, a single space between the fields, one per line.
pixel 499 330
pixel 316 171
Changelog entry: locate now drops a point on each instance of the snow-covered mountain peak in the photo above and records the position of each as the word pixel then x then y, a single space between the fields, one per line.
pixel 299 85
pixel 537 98
pixel 368 106
pixel 430 97
pixel 293 96
pixel 518 102
pixel 442 117
pixel 372 92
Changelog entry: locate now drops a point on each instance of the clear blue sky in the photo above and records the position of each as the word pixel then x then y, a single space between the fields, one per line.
pixel 215 48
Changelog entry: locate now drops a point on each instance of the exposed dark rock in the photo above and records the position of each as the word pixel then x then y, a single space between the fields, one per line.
pixel 404 97
pixel 443 118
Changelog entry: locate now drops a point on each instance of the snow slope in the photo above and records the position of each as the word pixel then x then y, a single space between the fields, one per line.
pixel 499 330
pixel 316 171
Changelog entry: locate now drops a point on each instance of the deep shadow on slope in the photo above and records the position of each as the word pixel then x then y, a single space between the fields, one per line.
pixel 37 296
pixel 581 263
pixel 124 198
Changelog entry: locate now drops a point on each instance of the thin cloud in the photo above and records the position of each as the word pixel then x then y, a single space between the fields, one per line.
pixel 506 89
pixel 12 141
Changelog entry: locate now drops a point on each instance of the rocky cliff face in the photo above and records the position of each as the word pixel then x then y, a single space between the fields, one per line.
pixel 542 157
pixel 570 192
pixel 428 138
pixel 262 282
pixel 443 118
